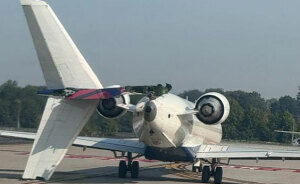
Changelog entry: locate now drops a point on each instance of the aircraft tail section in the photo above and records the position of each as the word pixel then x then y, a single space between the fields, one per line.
pixel 61 61
pixel 61 123
pixel 63 67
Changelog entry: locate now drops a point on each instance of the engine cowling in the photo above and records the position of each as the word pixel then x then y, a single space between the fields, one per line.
pixel 108 107
pixel 213 108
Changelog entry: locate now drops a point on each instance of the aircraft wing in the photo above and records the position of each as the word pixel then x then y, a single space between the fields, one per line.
pixel 288 132
pixel 240 152
pixel 122 145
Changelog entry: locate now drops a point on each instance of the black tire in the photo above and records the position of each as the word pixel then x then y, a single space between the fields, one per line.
pixel 218 175
pixel 122 169
pixel 205 174
pixel 135 169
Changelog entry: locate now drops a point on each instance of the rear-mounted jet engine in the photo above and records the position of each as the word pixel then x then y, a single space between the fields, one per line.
pixel 213 108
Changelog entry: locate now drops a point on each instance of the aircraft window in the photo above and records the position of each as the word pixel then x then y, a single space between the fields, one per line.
pixel 169 115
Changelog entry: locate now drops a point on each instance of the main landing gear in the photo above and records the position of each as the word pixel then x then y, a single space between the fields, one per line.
pixel 197 167
pixel 212 170
pixel 132 166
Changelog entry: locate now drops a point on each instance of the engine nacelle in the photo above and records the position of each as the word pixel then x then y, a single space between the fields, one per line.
pixel 108 107
pixel 213 108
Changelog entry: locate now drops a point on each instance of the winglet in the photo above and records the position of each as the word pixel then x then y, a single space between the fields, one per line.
pixel 33 2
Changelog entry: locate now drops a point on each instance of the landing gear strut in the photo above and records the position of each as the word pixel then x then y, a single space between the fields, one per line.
pixel 132 166
pixel 212 170
pixel 197 166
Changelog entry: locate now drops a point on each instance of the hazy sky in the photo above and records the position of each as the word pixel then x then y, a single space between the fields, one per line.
pixel 251 45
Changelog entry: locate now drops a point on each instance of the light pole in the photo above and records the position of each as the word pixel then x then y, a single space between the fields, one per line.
pixel 18 104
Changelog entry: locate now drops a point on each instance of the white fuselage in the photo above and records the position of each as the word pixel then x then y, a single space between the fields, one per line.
pixel 173 126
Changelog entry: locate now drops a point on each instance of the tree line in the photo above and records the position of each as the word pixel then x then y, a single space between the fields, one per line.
pixel 251 117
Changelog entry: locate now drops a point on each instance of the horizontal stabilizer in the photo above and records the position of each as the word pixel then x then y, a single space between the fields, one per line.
pixel 83 94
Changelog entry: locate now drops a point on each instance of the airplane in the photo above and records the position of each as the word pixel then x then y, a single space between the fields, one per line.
pixel 296 141
pixel 168 127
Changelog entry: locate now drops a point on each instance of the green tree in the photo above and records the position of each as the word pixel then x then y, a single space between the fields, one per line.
pixel 281 121
pixel 32 106
pixel 247 100
pixel 232 124
pixel 9 91
pixel 254 126
pixel 5 114
pixel 192 95
pixel 285 103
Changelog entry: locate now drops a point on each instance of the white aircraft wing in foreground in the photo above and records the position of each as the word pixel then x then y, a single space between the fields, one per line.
pixel 238 152
pixel 121 145
pixel 201 152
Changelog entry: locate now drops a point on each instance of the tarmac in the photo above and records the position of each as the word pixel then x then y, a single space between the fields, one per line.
pixel 98 166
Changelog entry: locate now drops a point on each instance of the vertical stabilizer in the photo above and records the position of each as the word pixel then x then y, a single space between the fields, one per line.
pixel 61 123
pixel 63 66
pixel 61 62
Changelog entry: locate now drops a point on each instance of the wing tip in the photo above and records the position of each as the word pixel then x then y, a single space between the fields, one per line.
pixel 32 2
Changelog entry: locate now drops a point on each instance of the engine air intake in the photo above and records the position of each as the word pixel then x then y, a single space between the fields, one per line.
pixel 108 108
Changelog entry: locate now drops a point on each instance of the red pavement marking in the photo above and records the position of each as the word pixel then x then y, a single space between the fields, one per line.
pixel 71 156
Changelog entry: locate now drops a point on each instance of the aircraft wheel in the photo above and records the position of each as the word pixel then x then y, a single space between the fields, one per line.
pixel 122 169
pixel 218 175
pixel 135 169
pixel 205 174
